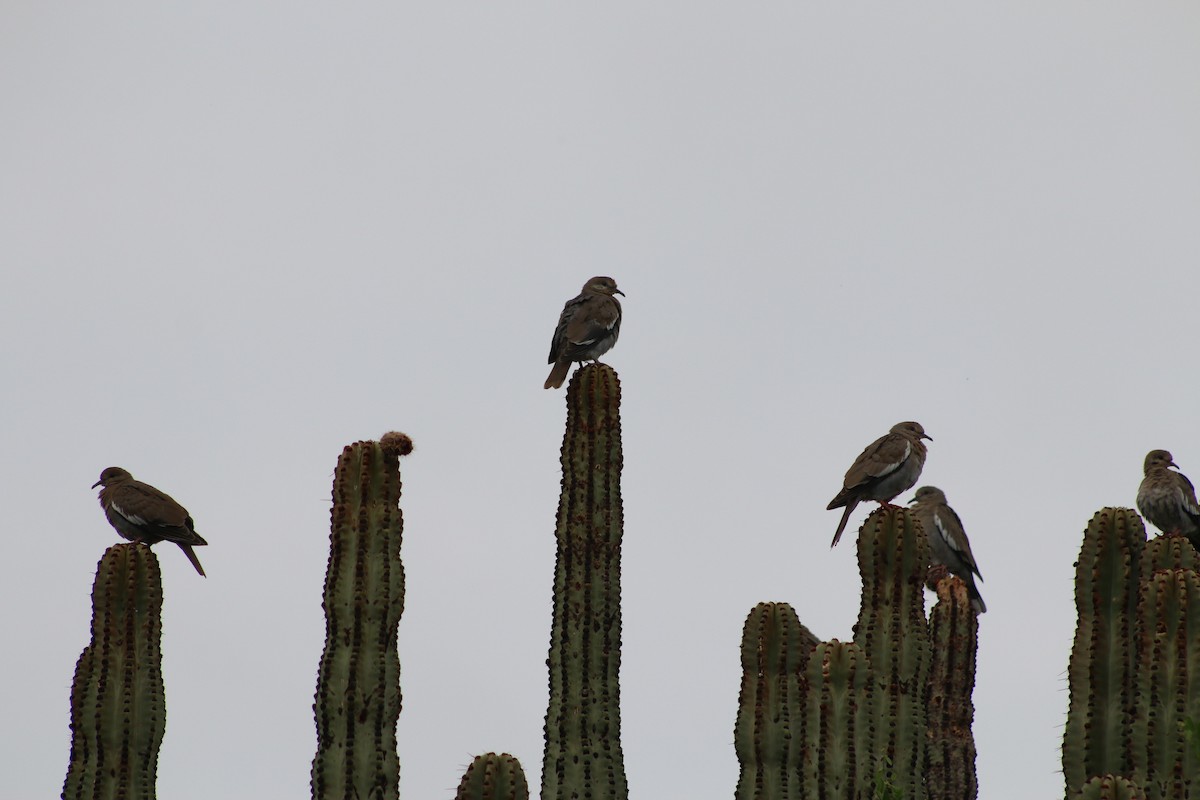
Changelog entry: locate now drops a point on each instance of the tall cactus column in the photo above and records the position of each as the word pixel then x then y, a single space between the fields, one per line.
pixel 358 683
pixel 954 631
pixel 118 705
pixel 894 634
pixel 1101 670
pixel 583 756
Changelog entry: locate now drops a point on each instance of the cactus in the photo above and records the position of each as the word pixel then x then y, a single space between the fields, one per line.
pixel 493 777
pixel 837 722
pixel 358 684
pixel 583 756
pixel 1100 674
pixel 775 651
pixel 1109 787
pixel 894 634
pixel 954 631
pixel 861 728
pixel 1167 684
pixel 118 705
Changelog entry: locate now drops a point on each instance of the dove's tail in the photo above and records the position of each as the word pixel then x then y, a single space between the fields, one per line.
pixel 842 525
pixel 191 554
pixel 558 374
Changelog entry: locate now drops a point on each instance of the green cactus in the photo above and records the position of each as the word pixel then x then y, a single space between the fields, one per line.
pixel 775 651
pixel 358 683
pixel 583 756
pixel 118 705
pixel 493 776
pixel 1109 787
pixel 954 631
pixel 836 729
pixel 1167 684
pixel 893 633
pixel 1100 674
pixel 863 729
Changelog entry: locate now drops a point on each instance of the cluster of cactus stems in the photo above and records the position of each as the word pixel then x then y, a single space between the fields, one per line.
pixel 493 776
pixel 358 682
pixel 815 720
pixel 890 711
pixel 583 756
pixel 1134 674
pixel 118 705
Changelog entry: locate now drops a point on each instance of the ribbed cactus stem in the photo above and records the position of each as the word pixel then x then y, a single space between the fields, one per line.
pixel 118 705
pixel 1167 685
pixel 1109 787
pixel 836 731
pixel 767 736
pixel 894 634
pixel 954 631
pixel 583 756
pixel 1167 552
pixel 493 776
pixel 1100 673
pixel 358 682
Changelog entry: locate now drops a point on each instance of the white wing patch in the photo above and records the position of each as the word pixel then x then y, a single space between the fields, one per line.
pixel 945 534
pixel 890 468
pixel 134 518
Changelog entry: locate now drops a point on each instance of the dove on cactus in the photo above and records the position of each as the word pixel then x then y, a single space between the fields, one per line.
pixel 888 466
pixel 948 543
pixel 587 328
pixel 141 513
pixel 1167 498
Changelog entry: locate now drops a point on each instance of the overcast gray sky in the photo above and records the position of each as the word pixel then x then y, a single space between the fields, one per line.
pixel 237 236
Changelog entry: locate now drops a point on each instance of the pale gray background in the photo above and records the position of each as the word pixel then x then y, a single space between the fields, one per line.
pixel 236 236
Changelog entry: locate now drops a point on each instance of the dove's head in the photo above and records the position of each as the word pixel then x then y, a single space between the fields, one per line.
pixel 602 285
pixel 929 494
pixel 112 475
pixel 1157 458
pixel 912 429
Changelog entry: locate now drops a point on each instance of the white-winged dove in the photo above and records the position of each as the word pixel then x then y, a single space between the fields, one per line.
pixel 890 465
pixel 1167 498
pixel 948 543
pixel 587 328
pixel 141 513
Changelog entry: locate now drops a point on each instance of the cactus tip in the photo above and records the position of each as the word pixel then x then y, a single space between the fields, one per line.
pixel 399 443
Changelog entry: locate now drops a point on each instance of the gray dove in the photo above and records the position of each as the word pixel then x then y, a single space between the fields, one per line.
pixel 948 543
pixel 141 513
pixel 1167 498
pixel 890 465
pixel 587 328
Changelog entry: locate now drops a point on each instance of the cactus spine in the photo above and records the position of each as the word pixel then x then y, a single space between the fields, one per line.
pixel 775 651
pixel 118 705
pixel 583 756
pixel 493 777
pixel 954 631
pixel 358 683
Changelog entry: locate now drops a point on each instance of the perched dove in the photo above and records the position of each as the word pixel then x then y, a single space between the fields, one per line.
pixel 587 328
pixel 948 543
pixel 1167 498
pixel 890 465
pixel 141 513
